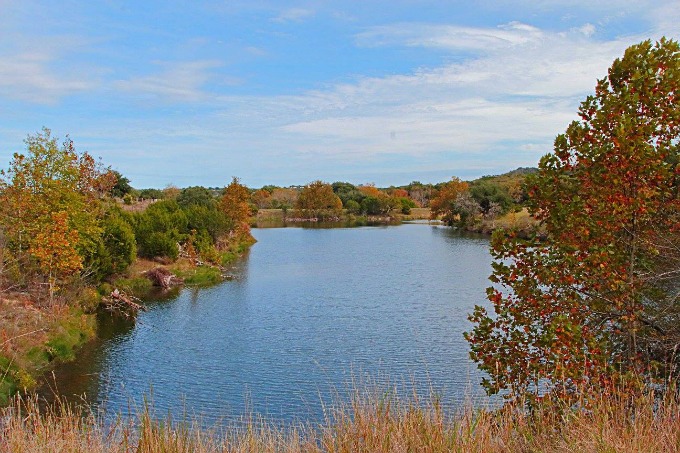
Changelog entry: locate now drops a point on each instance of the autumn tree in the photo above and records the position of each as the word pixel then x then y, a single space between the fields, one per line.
pixel 261 198
pixel 317 200
pixel 283 198
pixel 594 295
pixel 235 205
pixel 444 202
pixel 51 209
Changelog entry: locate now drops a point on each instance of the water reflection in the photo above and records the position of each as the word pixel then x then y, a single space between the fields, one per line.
pixel 308 312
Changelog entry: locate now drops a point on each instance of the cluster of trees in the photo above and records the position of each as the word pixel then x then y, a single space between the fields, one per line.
pixel 466 203
pixel 595 298
pixel 60 224
pixel 322 200
pixel 193 220
pixel 458 202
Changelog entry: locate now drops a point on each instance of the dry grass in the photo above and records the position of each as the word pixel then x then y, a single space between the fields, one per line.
pixel 31 337
pixel 520 221
pixel 371 422
pixel 417 214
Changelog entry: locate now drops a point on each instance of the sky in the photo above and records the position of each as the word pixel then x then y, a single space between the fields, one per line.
pixel 195 92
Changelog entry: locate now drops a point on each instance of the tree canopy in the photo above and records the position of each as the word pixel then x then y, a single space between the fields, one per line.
pixel 318 200
pixel 51 215
pixel 594 293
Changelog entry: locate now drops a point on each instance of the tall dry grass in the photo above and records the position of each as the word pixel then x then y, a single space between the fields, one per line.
pixel 370 422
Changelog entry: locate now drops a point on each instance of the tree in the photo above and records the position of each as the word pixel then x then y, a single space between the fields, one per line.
pixel 122 186
pixel 261 198
pixel 160 228
pixel 594 295
pixel 488 194
pixel 196 196
pixel 420 193
pixel 235 205
pixel 51 210
pixel 444 203
pixel 376 202
pixel 151 194
pixel 348 192
pixel 284 198
pixel 317 200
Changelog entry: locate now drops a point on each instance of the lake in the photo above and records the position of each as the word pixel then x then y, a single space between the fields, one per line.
pixel 309 314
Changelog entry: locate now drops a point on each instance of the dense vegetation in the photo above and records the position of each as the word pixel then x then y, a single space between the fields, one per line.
pixel 593 297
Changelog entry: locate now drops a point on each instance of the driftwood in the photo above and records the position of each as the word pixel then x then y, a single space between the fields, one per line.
pixel 162 277
pixel 121 303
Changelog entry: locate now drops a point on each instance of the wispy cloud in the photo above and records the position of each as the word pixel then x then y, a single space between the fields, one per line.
pixel 521 85
pixel 31 69
pixel 294 15
pixel 176 82
pixel 449 36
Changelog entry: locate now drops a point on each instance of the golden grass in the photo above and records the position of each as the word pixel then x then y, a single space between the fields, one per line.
pixel 370 422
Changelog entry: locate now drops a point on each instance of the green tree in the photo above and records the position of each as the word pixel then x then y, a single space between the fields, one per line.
pixel 196 196
pixel 120 245
pixel 594 296
pixel 347 192
pixel 122 186
pixel 151 194
pixel 488 194
pixel 160 229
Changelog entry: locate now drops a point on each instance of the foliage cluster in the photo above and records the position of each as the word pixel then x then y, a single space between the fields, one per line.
pixel 595 295
pixel 468 204
pixel 60 226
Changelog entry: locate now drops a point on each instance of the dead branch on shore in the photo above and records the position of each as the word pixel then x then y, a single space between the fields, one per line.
pixel 120 303
pixel 162 277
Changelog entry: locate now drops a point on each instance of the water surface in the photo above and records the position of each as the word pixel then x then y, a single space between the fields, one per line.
pixel 308 312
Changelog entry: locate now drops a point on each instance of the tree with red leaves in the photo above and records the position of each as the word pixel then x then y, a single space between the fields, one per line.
pixel 594 294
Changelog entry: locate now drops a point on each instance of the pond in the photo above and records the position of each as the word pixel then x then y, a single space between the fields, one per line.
pixel 309 314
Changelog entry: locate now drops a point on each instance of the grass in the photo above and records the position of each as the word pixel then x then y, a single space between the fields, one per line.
pixel 417 214
pixel 372 421
pixel 32 337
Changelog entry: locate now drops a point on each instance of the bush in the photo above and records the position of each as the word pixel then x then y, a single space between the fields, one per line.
pixel 160 244
pixel 89 300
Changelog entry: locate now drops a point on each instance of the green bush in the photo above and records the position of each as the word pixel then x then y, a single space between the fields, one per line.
pixel 120 243
pixel 161 244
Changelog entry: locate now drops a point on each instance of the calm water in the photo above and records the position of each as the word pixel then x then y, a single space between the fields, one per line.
pixel 309 311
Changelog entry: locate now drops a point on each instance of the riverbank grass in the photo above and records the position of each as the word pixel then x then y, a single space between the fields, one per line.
pixel 33 337
pixel 372 421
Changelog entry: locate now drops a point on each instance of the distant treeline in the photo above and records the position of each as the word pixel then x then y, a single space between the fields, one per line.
pixel 456 201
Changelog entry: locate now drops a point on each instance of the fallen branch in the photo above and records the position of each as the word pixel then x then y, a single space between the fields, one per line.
pixel 119 302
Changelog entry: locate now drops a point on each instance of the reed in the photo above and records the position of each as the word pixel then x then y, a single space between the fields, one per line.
pixel 371 421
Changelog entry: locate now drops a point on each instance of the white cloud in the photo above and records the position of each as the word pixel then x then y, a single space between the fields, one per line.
pixel 178 81
pixel 587 29
pixel 29 77
pixel 31 69
pixel 522 85
pixel 450 36
pixel 294 15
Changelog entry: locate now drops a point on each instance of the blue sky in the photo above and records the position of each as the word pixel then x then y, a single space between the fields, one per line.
pixel 195 92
